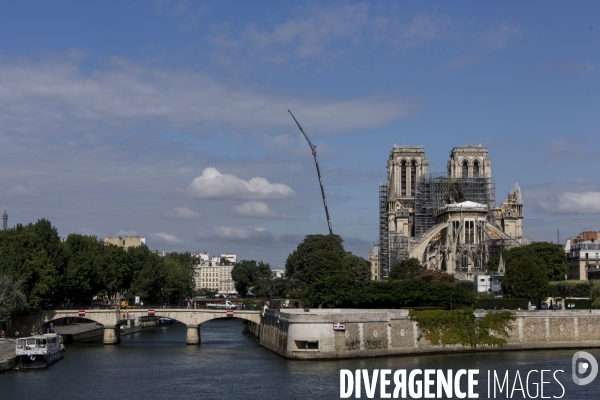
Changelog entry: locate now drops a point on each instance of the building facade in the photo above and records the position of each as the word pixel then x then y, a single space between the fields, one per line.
pixel 374 260
pixel 448 221
pixel 583 254
pixel 125 241
pixel 214 272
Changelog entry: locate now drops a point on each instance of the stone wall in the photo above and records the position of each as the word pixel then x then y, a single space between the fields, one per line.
pixel 310 334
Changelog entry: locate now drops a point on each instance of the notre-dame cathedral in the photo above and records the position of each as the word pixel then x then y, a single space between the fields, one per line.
pixel 448 221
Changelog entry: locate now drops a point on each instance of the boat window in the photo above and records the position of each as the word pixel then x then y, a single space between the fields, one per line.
pixel 20 343
pixel 30 342
pixel 43 343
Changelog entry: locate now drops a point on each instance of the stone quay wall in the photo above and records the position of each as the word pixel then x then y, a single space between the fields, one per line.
pixel 300 334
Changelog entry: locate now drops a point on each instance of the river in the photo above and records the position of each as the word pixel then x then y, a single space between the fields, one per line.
pixel 230 364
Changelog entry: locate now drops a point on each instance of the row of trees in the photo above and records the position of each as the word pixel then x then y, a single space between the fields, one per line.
pixel 530 268
pixel 321 272
pixel 37 267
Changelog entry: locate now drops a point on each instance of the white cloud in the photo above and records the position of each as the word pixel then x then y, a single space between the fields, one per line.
pixel 568 67
pixel 335 30
pixel 579 203
pixel 19 190
pixel 55 97
pixel 213 184
pixel 166 238
pixel 232 234
pixel 185 212
pixel 256 209
pixel 575 197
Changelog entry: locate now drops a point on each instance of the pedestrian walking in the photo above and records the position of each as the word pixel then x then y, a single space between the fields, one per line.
pixel 16 334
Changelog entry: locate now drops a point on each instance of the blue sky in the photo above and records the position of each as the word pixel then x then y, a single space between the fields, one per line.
pixel 168 119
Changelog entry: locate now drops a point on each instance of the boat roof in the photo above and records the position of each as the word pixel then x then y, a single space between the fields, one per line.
pixel 42 336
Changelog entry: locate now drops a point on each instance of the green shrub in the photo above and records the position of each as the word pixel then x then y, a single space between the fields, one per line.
pixel 595 295
pixel 467 285
pixel 499 304
pixel 571 288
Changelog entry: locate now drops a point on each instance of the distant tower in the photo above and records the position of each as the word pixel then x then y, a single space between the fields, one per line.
pixel 5 220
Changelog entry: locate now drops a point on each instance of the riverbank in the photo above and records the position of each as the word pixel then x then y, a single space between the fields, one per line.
pixel 8 360
pixel 349 333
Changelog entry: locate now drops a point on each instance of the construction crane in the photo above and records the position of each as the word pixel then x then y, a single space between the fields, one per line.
pixel 313 148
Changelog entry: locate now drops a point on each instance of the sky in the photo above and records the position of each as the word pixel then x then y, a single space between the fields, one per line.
pixel 169 119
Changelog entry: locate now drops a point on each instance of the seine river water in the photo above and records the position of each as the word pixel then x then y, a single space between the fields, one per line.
pixel 156 364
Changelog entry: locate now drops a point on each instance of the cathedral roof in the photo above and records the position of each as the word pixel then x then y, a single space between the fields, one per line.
pixel 465 206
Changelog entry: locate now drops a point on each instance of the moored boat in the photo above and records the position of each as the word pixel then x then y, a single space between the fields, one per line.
pixel 39 351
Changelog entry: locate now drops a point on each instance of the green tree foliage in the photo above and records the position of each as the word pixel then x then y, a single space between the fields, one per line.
pixel 595 295
pixel 317 257
pixel 356 267
pixel 149 275
pixel 180 275
pixel 32 254
pixel 406 269
pixel 206 292
pixel 437 290
pixel 82 272
pixel 12 298
pixel 115 273
pixel 461 327
pixel 550 256
pixel 493 264
pixel 247 274
pixel 525 277
pixel 570 288
pixel 82 267
pixel 554 259
pixel 338 291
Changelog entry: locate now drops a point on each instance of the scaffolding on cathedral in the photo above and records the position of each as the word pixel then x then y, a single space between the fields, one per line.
pixel 383 232
pixel 434 190
pixel 398 248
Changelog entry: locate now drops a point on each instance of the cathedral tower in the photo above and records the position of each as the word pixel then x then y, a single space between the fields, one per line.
pixel 405 165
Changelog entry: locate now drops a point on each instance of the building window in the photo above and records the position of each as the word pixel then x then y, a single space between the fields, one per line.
pixel 403 178
pixel 465 170
pixel 586 256
pixel 413 177
pixel 476 170
pixel 469 232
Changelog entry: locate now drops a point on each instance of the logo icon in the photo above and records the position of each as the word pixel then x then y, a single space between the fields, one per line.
pixel 580 367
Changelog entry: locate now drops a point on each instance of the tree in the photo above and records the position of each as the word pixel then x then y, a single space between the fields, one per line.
pixel 357 267
pixel 148 275
pixel 205 292
pixel 406 269
pixel 248 273
pixel 550 256
pixel 595 295
pixel 30 254
pixel 179 275
pixel 317 257
pixel 554 258
pixel 12 298
pixel 81 279
pixel 525 278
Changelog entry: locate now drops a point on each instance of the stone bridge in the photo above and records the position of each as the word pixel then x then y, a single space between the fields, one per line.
pixel 112 319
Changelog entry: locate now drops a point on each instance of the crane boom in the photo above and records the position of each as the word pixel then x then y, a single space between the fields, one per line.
pixel 313 148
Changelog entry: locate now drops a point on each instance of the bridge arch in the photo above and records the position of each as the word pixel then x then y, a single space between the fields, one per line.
pixel 111 319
